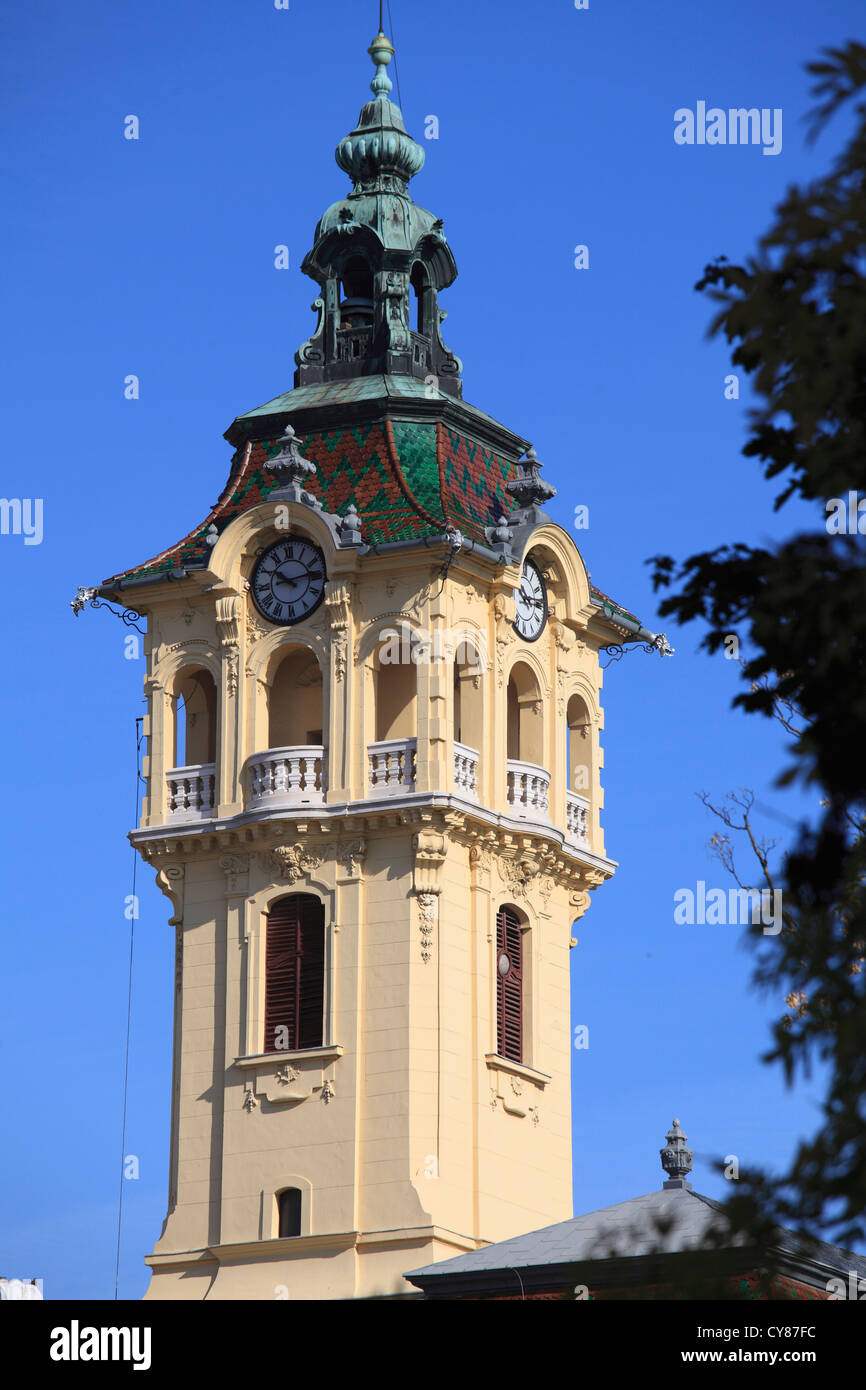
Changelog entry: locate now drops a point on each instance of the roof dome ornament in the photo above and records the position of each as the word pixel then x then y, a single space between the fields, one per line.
pixel 379 155
pixel 676 1157
pixel 530 489
pixel 379 259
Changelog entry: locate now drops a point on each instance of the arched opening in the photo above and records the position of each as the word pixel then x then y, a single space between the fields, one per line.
pixel 356 305
pixel 190 783
pixel 579 749
pixel 423 296
pixel 392 755
pixel 525 722
pixel 295 974
pixel 468 731
pixel 295 706
pixel 289 1204
pixel 579 769
pixel 292 771
pixel 528 779
pixel 195 706
pixel 396 696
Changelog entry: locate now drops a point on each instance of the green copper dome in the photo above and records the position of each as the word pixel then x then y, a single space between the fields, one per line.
pixel 380 260
pixel 380 155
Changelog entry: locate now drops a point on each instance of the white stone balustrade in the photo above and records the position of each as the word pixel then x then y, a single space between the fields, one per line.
pixel 287 777
pixel 466 770
pixel 528 790
pixel 577 819
pixel 190 793
pixel 392 766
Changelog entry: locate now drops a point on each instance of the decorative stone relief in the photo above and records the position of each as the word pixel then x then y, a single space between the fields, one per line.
pixel 255 630
pixel 351 854
pixel 228 616
pixel 232 666
pixel 235 867
pixel 178 958
pixel 250 1102
pixel 328 1092
pixel 504 636
pixel 290 862
pixel 286 1075
pixel 428 907
pixel 516 1096
pixel 518 874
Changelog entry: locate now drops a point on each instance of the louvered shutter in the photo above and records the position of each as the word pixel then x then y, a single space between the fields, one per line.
pixel 295 972
pixel 509 987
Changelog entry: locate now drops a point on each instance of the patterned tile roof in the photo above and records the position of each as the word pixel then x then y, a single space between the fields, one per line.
pixel 407 479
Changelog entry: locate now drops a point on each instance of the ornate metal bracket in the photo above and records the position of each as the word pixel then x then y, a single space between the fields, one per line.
pixel 618 650
pixel 89 597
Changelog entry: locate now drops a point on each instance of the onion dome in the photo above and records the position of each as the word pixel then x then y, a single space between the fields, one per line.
pixel 379 155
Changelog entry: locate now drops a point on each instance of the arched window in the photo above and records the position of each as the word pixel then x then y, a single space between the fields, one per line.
pixel 579 747
pixel 195 707
pixel 295 974
pixel 525 727
pixel 289 1212
pixel 356 308
pixel 295 703
pixel 509 985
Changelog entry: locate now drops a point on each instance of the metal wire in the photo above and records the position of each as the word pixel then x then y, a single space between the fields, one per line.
pixel 138 742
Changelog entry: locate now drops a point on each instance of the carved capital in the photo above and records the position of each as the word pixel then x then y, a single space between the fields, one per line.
pixel 430 851
pixel 228 618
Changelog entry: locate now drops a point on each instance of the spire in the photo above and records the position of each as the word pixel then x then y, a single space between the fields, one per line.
pixel 379 154
pixel 380 260
pixel 676 1158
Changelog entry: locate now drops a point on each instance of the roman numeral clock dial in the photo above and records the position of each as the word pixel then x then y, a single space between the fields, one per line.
pixel 288 582
pixel 531 603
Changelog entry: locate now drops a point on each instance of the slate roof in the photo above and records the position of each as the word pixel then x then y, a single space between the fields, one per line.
pixel 666 1221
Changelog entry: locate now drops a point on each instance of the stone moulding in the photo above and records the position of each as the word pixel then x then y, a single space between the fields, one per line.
pixel 517 1088
pixel 286 1078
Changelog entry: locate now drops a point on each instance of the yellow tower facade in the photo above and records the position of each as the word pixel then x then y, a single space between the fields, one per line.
pixel 373 797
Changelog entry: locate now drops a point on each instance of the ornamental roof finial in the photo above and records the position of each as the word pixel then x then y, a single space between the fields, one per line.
pixel 381 50
pixel 676 1158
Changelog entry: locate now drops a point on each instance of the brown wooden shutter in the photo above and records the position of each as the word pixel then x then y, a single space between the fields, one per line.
pixel 295 972
pixel 509 988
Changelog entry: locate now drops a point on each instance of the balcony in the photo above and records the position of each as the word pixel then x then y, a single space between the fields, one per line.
pixel 283 777
pixel 528 790
pixel 392 767
pixel 577 819
pixel 190 793
pixel 466 771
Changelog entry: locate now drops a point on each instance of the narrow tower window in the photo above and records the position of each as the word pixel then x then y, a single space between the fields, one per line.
pixel 289 1212
pixel 295 974
pixel 509 985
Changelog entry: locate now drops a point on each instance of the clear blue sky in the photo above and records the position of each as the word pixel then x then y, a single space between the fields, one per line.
pixel 156 257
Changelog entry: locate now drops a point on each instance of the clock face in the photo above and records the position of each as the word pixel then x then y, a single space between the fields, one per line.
pixel 531 603
pixel 288 581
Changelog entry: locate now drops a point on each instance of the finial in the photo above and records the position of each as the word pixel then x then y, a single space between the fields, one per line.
pixel 291 468
pixel 381 50
pixel 530 489
pixel 676 1158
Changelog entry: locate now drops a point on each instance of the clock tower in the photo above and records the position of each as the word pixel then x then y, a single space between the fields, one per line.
pixel 373 795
